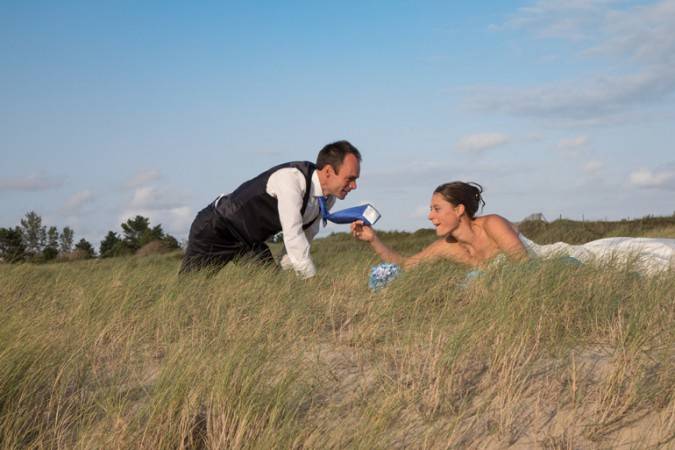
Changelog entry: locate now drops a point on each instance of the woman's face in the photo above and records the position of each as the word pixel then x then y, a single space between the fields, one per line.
pixel 443 215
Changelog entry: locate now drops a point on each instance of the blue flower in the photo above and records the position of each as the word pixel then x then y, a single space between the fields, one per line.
pixel 382 274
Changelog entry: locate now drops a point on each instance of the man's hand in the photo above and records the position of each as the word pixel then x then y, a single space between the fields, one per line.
pixel 362 231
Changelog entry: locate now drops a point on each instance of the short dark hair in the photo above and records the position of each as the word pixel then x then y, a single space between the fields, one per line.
pixel 334 153
pixel 461 193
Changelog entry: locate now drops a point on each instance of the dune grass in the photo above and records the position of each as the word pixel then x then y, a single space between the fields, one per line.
pixel 124 353
pixel 578 232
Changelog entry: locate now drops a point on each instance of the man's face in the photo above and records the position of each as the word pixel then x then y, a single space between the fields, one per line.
pixel 343 181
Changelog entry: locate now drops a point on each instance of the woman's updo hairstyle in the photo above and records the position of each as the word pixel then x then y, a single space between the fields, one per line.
pixel 461 193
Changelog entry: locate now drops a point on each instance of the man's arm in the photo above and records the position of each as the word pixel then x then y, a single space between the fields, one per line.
pixel 310 233
pixel 288 186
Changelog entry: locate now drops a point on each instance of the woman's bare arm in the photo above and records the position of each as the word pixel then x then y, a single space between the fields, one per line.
pixel 366 233
pixel 440 249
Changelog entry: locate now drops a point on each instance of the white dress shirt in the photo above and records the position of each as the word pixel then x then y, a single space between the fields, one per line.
pixel 287 185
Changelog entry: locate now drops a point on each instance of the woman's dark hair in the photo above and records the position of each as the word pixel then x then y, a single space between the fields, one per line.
pixel 461 193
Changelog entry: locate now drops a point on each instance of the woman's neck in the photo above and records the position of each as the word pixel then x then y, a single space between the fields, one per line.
pixel 464 233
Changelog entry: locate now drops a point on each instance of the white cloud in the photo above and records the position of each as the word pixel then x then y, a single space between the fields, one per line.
pixel 637 37
pixel 481 141
pixel 143 197
pixel 646 178
pixel 565 19
pixel 592 167
pixel 33 182
pixel 154 198
pixel 586 101
pixel 143 177
pixel 572 145
pixel 76 201
pixel 644 32
pixel 179 220
pixel 161 206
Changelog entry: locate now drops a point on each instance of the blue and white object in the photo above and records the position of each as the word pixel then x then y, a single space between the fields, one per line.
pixel 470 277
pixel 382 274
pixel 367 213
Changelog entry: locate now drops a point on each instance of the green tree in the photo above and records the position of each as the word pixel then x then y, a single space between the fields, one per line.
pixel 51 250
pixel 53 237
pixel 49 253
pixel 11 245
pixel 110 245
pixel 171 242
pixel 85 246
pixel 34 234
pixel 66 240
pixel 137 232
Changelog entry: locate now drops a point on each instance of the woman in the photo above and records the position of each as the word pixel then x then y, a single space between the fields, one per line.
pixel 474 241
pixel 464 238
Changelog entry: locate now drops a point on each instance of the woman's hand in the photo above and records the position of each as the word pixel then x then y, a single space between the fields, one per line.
pixel 362 231
pixel 366 233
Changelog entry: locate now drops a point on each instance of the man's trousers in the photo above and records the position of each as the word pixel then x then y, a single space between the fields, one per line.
pixel 213 244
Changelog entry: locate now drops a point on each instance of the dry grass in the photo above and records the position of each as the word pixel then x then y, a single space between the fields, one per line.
pixel 123 353
pixel 156 247
pixel 578 232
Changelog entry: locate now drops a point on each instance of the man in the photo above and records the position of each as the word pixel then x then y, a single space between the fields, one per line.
pixel 284 198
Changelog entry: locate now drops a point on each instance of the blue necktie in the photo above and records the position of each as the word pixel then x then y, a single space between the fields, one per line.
pixel 367 213
pixel 324 210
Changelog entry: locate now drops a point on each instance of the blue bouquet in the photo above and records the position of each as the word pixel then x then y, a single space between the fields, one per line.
pixel 470 277
pixel 382 274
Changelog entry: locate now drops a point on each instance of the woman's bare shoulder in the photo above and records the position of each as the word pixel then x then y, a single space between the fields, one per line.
pixel 495 222
pixel 491 218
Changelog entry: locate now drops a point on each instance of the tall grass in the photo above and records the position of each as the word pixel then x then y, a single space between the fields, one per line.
pixel 124 353
pixel 578 232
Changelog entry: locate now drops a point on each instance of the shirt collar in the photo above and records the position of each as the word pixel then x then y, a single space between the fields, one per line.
pixel 316 185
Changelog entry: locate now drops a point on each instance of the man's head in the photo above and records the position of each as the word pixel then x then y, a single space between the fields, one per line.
pixel 338 166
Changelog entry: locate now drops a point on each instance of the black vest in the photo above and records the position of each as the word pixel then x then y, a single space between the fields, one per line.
pixel 251 214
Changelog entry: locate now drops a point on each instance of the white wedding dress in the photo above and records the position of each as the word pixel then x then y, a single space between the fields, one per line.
pixel 650 255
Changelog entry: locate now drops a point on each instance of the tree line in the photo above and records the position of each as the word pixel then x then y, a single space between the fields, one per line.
pixel 31 241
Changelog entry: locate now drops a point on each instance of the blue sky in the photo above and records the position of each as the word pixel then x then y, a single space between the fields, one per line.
pixel 154 108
